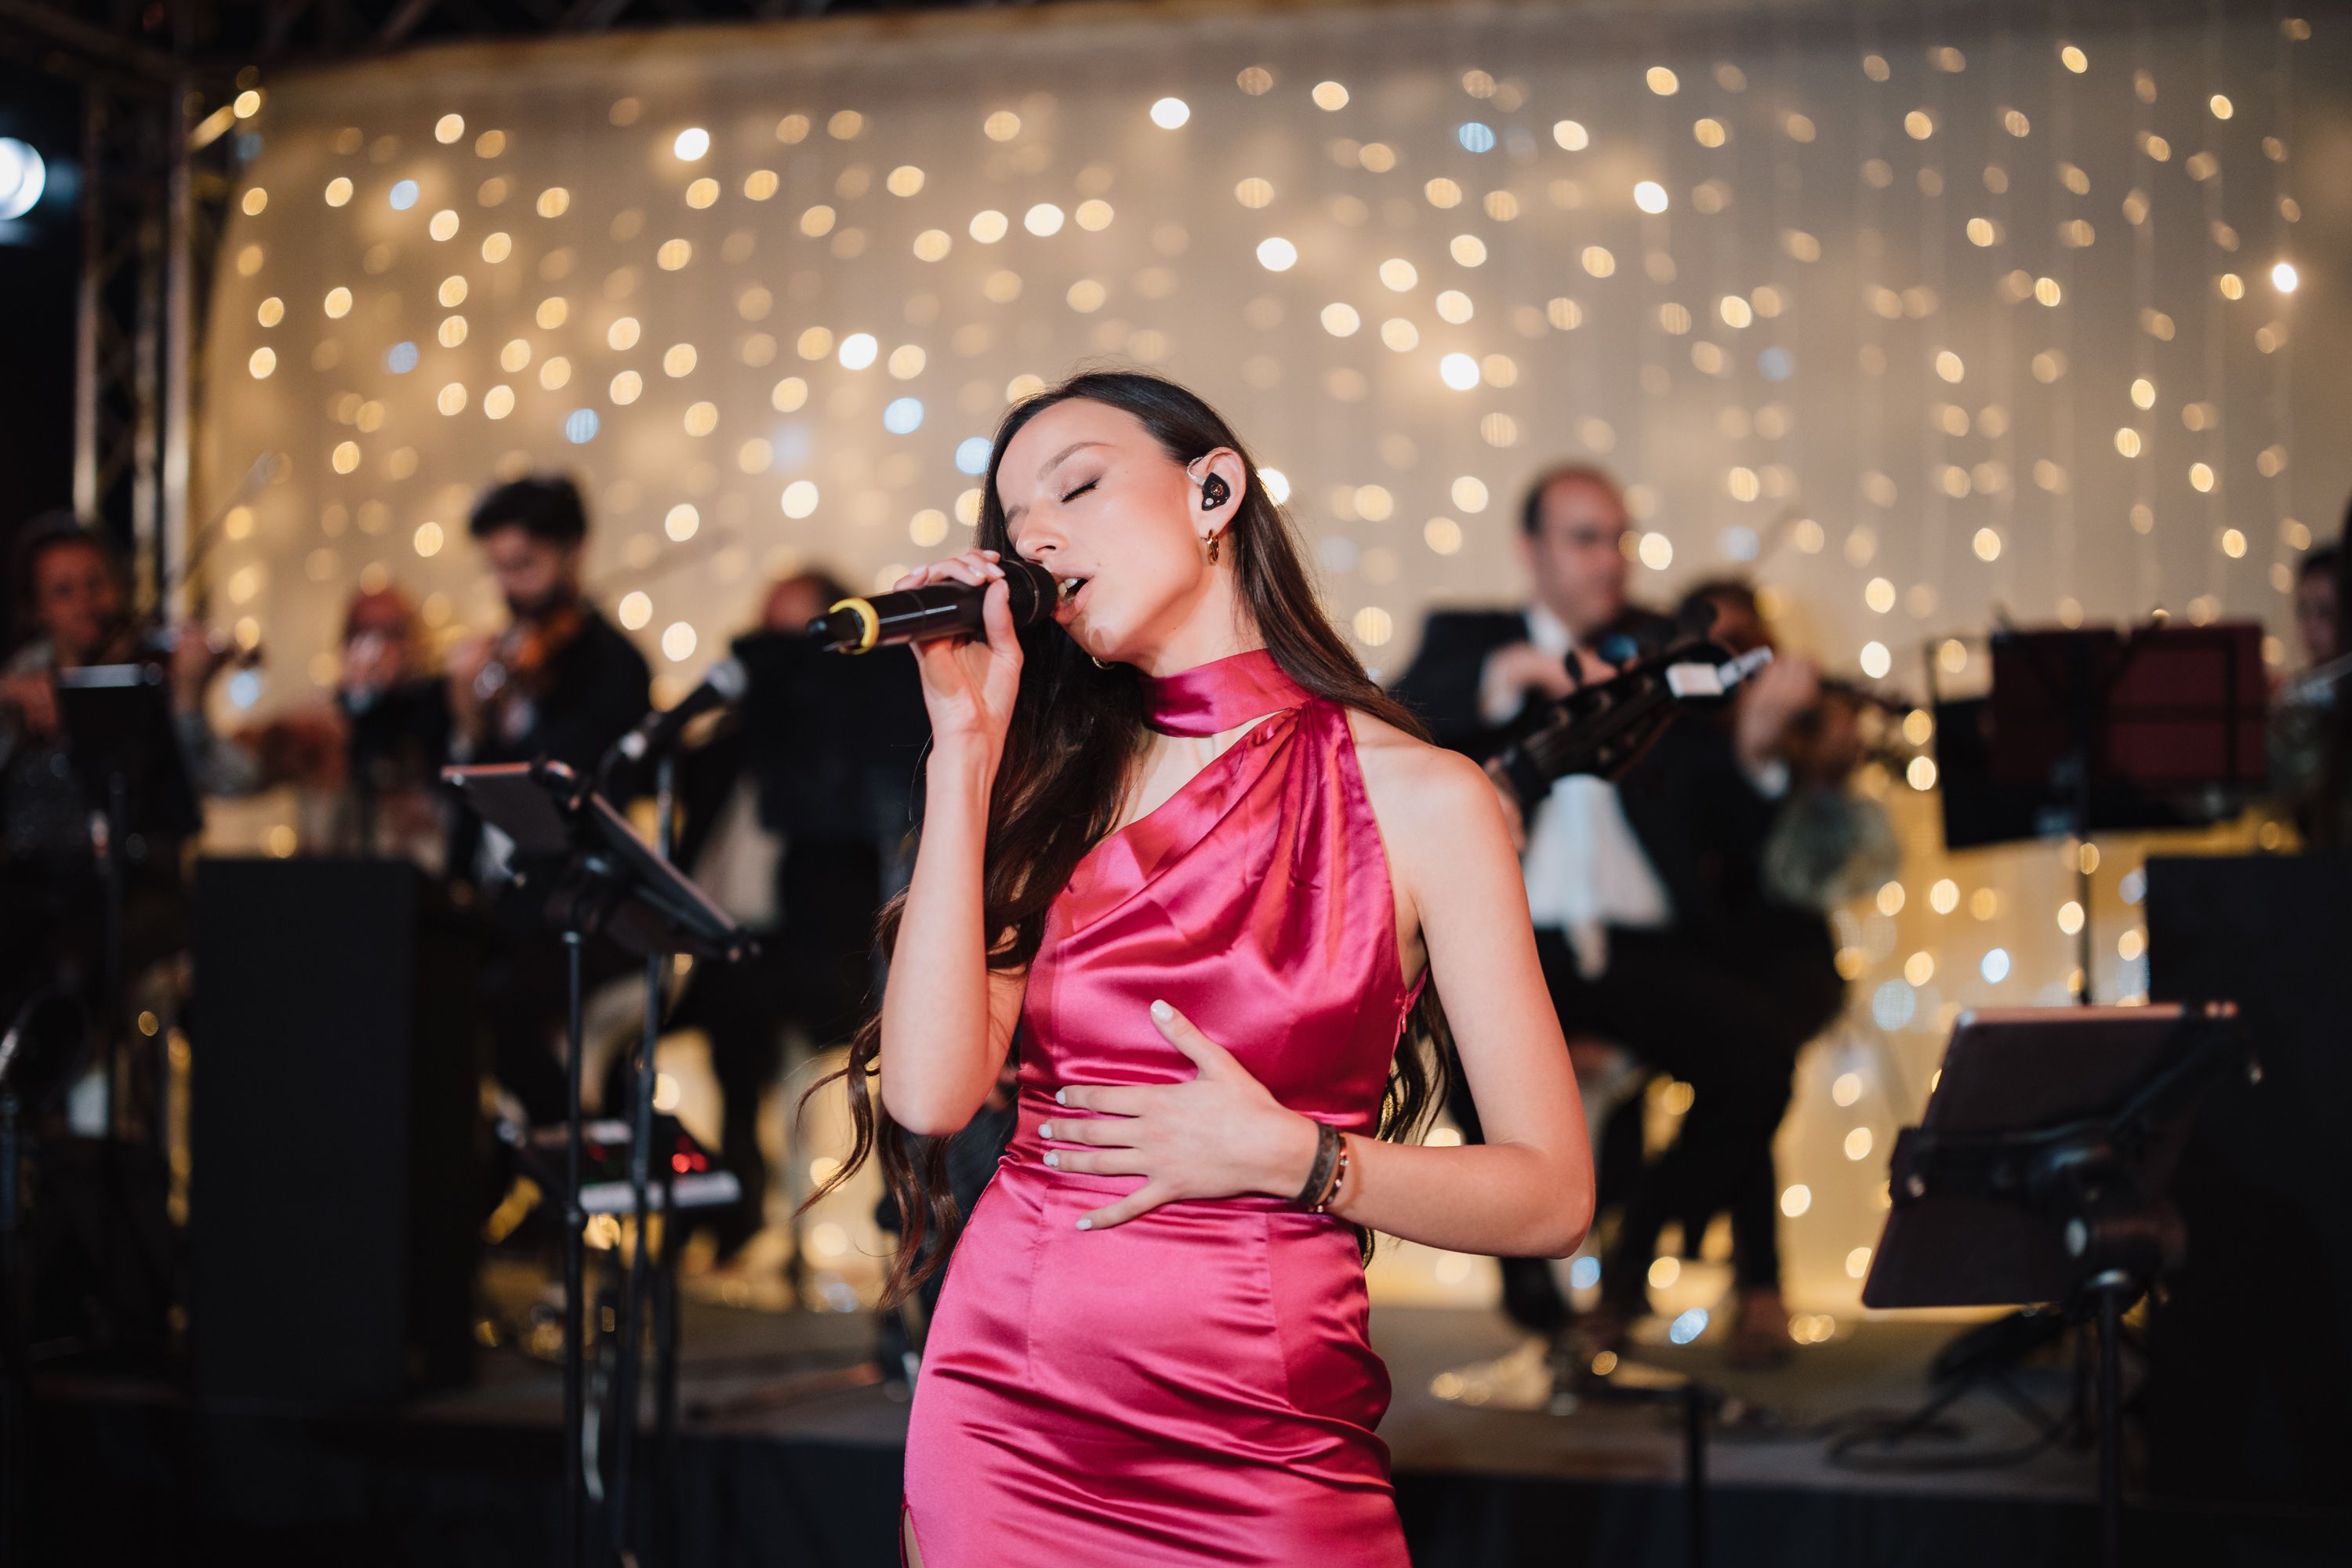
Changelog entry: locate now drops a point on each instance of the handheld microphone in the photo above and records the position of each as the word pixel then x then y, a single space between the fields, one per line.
pixel 937 610
pixel 658 731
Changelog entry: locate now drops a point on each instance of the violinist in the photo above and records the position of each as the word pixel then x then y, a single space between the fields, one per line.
pixel 559 681
pixel 73 614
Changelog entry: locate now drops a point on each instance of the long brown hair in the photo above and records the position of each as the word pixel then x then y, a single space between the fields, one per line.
pixel 1075 732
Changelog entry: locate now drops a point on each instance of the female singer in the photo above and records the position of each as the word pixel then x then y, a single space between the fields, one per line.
pixel 1209 869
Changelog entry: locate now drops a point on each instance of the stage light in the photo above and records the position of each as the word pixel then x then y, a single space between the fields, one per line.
pixel 1171 112
pixel 1650 196
pixel 2283 277
pixel 691 144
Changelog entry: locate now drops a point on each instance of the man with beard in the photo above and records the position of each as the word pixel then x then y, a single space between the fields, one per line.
pixel 560 682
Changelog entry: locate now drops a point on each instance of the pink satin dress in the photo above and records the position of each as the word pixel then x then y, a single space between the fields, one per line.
pixel 1194 1387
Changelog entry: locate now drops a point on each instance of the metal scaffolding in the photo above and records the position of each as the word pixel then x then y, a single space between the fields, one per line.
pixel 161 84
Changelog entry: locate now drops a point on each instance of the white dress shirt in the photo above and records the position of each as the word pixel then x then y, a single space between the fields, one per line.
pixel 1585 871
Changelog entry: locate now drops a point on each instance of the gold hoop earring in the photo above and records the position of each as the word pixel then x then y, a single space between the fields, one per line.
pixel 1213 549
pixel 1099 663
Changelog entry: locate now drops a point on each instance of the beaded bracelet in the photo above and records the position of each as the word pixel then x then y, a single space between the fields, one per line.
pixel 1339 1179
pixel 1329 1151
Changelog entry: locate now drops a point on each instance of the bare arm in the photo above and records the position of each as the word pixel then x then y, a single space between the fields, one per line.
pixel 1527 1190
pixel 947 1017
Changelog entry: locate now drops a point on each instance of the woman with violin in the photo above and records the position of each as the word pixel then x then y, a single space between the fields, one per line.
pixel 562 682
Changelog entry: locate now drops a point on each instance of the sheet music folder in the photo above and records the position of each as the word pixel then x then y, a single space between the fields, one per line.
pixel 566 834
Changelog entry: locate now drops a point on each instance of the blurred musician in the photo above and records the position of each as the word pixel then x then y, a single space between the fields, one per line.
pixel 73 613
pixel 364 764
pixel 796 809
pixel 561 681
pixel 1657 933
pixel 2308 714
pixel 56 778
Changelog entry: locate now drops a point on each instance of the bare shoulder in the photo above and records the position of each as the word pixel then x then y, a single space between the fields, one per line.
pixel 1419 788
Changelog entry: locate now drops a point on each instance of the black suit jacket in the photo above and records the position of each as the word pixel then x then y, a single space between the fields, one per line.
pixel 1692 807
pixel 1441 684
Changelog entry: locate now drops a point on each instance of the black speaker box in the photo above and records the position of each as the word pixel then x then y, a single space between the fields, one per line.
pixel 335 1139
pixel 2251 1345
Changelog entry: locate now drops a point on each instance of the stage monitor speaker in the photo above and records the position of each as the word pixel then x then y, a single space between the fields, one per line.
pixel 335 1135
pixel 2251 1345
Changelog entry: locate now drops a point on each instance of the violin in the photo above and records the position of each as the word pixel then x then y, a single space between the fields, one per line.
pixel 140 654
pixel 521 663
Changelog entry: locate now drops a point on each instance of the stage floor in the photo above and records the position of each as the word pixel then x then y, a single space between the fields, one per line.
pixel 789 1377
pixel 792 1445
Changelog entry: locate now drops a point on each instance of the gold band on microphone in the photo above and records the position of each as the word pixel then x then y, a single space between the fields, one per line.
pixel 869 624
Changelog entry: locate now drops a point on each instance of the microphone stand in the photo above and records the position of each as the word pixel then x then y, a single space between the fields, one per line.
pixel 601 878
pixel 640 1121
pixel 574 1535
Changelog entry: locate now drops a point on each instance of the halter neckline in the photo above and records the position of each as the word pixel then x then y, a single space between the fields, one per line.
pixel 1210 699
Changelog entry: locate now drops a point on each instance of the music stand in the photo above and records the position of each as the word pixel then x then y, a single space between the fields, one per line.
pixel 2156 726
pixel 2038 1174
pixel 117 720
pixel 595 876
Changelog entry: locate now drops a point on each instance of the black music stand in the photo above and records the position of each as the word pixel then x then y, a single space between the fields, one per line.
pixel 2038 1176
pixel 117 720
pixel 595 876
pixel 2102 729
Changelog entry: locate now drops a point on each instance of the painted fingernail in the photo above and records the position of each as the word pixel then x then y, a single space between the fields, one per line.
pixel 1085 1225
pixel 1061 1096
pixel 1045 1129
pixel 1054 1157
pixel 1162 1011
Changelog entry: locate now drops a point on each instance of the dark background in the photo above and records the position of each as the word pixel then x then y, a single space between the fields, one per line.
pixel 40 260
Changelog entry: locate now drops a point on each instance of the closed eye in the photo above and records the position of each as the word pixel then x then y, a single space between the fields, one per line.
pixel 1080 490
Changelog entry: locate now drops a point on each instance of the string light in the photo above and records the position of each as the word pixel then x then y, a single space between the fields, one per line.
pixel 1634 224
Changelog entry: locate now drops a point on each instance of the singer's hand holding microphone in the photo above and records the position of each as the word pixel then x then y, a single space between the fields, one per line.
pixel 963 617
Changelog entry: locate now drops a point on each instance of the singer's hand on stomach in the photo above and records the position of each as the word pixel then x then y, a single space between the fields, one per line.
pixel 1219 1136
pixel 969 683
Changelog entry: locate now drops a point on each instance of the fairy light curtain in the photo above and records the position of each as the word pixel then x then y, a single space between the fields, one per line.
pixel 1919 318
